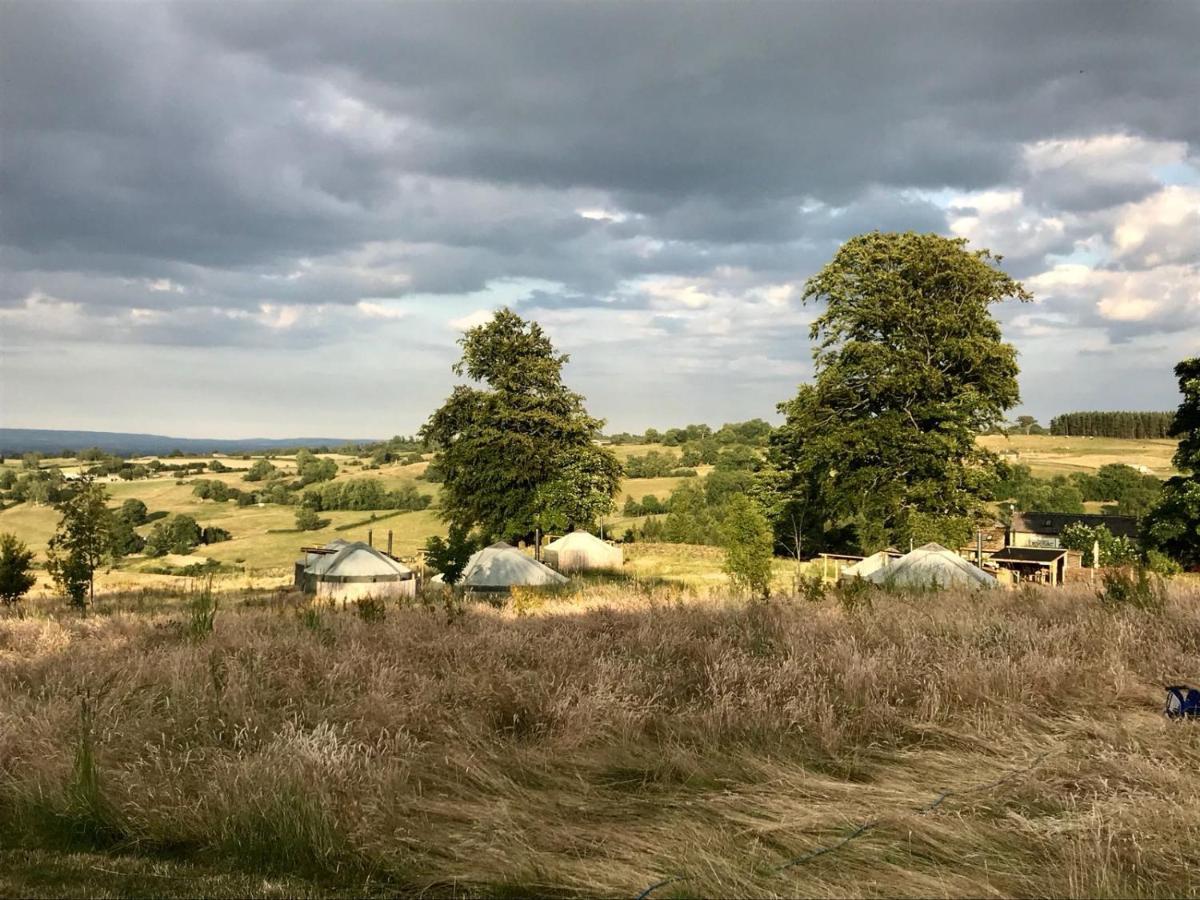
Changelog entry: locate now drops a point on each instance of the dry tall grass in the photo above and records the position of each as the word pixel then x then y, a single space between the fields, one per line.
pixel 602 744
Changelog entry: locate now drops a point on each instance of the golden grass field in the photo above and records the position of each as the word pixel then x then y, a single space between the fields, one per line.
pixel 602 742
pixel 1046 455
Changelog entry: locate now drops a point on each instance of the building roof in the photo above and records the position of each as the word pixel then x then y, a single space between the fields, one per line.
pixel 357 560
pixel 578 540
pixel 501 565
pixel 872 563
pixel 1054 523
pixel 932 566
pixel 1043 555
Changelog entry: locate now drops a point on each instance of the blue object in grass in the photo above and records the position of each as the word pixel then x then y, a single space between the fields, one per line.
pixel 1183 701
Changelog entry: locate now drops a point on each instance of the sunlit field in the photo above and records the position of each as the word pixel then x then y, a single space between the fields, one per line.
pixel 605 740
pixel 1047 455
pixel 264 541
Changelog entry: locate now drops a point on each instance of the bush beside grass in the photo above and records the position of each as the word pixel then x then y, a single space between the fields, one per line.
pixel 595 744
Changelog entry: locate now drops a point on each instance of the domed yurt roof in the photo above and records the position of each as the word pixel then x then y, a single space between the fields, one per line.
pixel 501 565
pixel 357 560
pixel 581 550
pixel 932 566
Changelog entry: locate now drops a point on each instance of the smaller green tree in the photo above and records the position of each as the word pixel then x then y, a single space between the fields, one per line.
pixel 749 543
pixel 307 518
pixel 259 471
pixel 16 562
pixel 124 539
pixel 177 534
pixel 134 511
pixel 82 541
pixel 689 520
pixel 581 492
pixel 450 556
pixel 1114 550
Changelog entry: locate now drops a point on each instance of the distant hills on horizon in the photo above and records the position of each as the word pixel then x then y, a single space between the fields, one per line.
pixel 15 441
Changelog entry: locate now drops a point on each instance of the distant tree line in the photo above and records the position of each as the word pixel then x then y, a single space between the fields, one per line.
pixel 753 432
pixel 1136 425
pixel 1123 489
pixel 364 494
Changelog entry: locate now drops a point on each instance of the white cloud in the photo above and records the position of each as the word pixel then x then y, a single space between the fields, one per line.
pixel 380 310
pixel 602 215
pixel 1162 229
pixel 472 320
pixel 282 316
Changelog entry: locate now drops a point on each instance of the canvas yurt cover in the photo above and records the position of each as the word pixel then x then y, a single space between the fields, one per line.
pixel 932 566
pixel 501 566
pixel 358 570
pixel 580 551
pixel 870 565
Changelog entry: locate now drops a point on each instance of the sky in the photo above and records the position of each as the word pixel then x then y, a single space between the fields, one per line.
pixel 276 219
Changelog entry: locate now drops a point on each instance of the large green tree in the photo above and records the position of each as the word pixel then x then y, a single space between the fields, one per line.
pixel 518 452
pixel 1173 525
pixel 81 543
pixel 909 367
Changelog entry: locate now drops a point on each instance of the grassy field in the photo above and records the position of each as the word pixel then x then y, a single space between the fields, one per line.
pixel 628 736
pixel 1046 455
pixel 263 545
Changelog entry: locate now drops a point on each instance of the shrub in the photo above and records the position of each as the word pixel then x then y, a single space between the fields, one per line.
pixel 811 588
pixel 1134 587
pixel 16 561
pixel 134 512
pixel 203 612
pixel 308 520
pixel 370 609
pixel 259 471
pixel 749 542
pixel 854 594
pixel 1161 564
pixel 176 534
pixel 212 534
pixel 654 464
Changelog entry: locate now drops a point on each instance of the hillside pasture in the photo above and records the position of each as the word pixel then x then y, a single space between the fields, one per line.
pixel 264 544
pixel 626 740
pixel 1048 455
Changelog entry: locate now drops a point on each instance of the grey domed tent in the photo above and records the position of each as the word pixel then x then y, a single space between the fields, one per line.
pixel 871 564
pixel 932 566
pixel 346 571
pixel 580 551
pixel 500 566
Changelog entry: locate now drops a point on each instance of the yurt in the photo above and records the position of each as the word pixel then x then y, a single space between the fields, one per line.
pixel 500 566
pixel 580 551
pixel 932 566
pixel 870 565
pixel 350 571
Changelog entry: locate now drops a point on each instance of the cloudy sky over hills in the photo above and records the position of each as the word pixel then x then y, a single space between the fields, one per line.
pixel 272 219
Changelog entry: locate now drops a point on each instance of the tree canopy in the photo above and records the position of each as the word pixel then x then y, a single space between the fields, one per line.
pixel 82 541
pixel 909 367
pixel 1173 525
pixel 520 452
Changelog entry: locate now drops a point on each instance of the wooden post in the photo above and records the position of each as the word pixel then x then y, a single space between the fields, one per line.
pixel 389 542
pixel 370 538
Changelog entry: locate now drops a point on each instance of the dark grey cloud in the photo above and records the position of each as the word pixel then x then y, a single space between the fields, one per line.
pixel 216 163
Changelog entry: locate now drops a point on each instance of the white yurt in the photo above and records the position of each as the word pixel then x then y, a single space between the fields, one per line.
pixel 350 571
pixel 500 566
pixel 581 551
pixel 932 566
pixel 870 565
